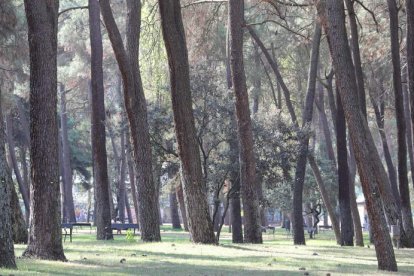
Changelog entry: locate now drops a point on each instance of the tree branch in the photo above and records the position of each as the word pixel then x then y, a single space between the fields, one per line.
pixel 72 8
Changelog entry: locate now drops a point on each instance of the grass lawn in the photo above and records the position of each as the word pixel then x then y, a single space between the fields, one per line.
pixel 175 255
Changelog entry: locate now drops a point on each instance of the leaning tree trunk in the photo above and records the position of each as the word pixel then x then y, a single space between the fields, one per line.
pixel 20 234
pixel 199 221
pixel 180 197
pixel 407 236
pixel 7 258
pixel 372 173
pixel 131 176
pixel 45 237
pixel 252 229
pixel 136 108
pixel 298 233
pixel 67 169
pixel 99 157
pixel 24 191
pixel 410 56
pixel 343 176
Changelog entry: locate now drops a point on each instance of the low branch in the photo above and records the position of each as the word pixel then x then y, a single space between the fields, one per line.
pixel 203 2
pixel 72 8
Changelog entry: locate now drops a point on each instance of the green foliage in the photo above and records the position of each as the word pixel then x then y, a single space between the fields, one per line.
pixel 130 236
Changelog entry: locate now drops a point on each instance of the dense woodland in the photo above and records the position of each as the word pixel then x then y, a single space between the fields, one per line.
pixel 220 110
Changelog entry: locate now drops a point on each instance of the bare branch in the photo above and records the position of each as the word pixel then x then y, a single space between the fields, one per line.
pixel 72 8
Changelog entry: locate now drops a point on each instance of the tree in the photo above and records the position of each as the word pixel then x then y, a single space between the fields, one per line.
pixel 372 173
pixel 136 108
pixel 248 181
pixel 199 221
pixel 7 258
pixel 410 56
pixel 45 236
pixel 298 236
pixel 100 166
pixel 407 237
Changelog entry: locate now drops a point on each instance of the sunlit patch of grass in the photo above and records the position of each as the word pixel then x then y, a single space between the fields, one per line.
pixel 175 255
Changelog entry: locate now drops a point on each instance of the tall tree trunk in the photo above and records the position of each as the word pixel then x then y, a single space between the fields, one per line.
pixel 199 221
pixel 409 129
pixel 99 157
pixel 131 176
pixel 325 197
pixel 298 234
pixel 45 237
pixel 122 188
pixel 359 75
pixel 372 173
pixel 235 204
pixel 410 56
pixel 136 108
pixel 359 239
pixel 20 234
pixel 343 176
pixel 24 191
pixel 249 185
pixel 7 258
pixel 175 218
pixel 407 237
pixel 67 169
pixel 180 197
pixel 26 176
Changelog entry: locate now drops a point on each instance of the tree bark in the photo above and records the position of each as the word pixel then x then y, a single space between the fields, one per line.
pixel 410 56
pixel 67 169
pixel 136 108
pixel 24 191
pixel 122 188
pixel 199 221
pixel 131 176
pixel 180 197
pixel 175 218
pixel 7 258
pixel 249 185
pixel 99 156
pixel 359 74
pixel 343 176
pixel 298 233
pixel 45 237
pixel 407 237
pixel 372 173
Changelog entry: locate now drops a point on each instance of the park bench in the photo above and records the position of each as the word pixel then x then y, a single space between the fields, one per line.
pixel 124 226
pixel 326 227
pixel 69 226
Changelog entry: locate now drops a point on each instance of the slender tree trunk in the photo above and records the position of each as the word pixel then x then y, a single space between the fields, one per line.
pixel 410 57
pixel 20 234
pixel 99 157
pixel 409 130
pixel 372 173
pixel 252 229
pixel 343 177
pixel 26 176
pixel 128 209
pixel 122 188
pixel 298 236
pixel 24 191
pixel 180 197
pixel 67 169
pixel 407 237
pixel 136 108
pixel 7 258
pixel 359 75
pixel 359 239
pixel 175 218
pixel 235 204
pixel 199 221
pixel 45 237
pixel 131 175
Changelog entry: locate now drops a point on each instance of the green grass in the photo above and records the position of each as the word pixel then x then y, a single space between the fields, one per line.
pixel 177 256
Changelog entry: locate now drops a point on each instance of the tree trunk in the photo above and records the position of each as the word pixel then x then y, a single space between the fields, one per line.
pixel 409 129
pixel 7 258
pixel 326 200
pixel 235 204
pixel 343 176
pixel 26 176
pixel 298 234
pixel 372 173
pixel 175 218
pixel 249 185
pixel 359 239
pixel 199 221
pixel 359 75
pixel 99 157
pixel 131 176
pixel 136 108
pixel 24 191
pixel 20 234
pixel 180 197
pixel 407 237
pixel 45 237
pixel 410 56
pixel 122 188
pixel 67 169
